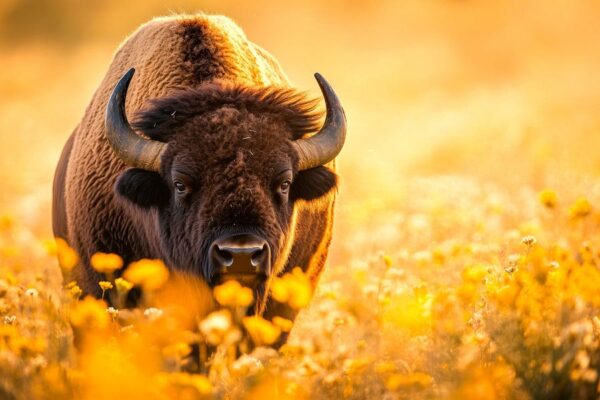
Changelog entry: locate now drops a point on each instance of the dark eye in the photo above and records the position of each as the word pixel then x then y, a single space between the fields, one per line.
pixel 179 187
pixel 285 186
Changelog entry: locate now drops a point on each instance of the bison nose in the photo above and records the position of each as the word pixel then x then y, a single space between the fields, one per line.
pixel 241 257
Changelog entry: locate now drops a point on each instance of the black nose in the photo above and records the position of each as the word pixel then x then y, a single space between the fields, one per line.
pixel 241 255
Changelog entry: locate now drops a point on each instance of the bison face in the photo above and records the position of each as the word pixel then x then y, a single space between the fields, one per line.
pixel 222 173
pixel 225 195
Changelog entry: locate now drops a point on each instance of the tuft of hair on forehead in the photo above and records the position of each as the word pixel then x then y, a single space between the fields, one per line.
pixel 165 114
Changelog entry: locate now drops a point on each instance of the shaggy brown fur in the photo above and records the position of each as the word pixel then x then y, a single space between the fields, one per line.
pixel 229 115
pixel 166 114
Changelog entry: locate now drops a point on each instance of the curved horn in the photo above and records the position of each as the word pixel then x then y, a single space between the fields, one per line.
pixel 326 144
pixel 134 150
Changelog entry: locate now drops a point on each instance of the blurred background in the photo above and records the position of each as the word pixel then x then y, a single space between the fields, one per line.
pixel 503 93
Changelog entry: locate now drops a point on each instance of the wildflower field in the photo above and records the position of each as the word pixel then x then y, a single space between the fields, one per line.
pixel 466 254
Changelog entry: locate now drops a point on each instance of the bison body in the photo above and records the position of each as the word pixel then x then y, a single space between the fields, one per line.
pixel 216 174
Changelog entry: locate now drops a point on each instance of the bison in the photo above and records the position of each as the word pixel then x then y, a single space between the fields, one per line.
pixel 225 171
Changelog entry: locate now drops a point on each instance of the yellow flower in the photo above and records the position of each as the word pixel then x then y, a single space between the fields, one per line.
pixel 90 313
pixel 474 273
pixel 506 295
pixel 201 384
pixel 581 208
pixel 105 285
pixel 106 263
pixel 123 285
pixel 67 257
pixel 388 261
pixel 355 366
pixel 149 274
pixel 421 293
pixel 184 381
pixel 414 380
pixel 283 323
pixel 11 278
pixel 385 367
pixel 177 350
pixel 6 222
pixel 231 293
pixel 261 331
pixel 50 246
pixel 548 198
pixel 292 288
pixel 279 290
pixel 405 312
pixel 74 290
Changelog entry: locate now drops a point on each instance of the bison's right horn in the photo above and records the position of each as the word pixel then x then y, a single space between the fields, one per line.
pixel 134 150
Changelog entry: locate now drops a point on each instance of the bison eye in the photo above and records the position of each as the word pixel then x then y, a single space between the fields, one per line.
pixel 179 187
pixel 284 187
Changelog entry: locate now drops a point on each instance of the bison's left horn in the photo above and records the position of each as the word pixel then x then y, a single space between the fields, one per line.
pixel 326 144
pixel 134 150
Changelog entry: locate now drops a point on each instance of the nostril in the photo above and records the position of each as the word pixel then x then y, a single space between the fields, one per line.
pixel 224 256
pixel 258 256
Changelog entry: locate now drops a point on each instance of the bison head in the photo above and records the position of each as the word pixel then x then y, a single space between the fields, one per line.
pixel 220 171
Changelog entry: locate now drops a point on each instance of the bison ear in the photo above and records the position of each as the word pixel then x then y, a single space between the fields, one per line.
pixel 313 183
pixel 143 188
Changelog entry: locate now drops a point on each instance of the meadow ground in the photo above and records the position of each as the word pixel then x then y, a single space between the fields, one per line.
pixel 466 253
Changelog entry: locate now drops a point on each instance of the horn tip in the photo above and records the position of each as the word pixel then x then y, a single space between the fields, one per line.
pixel 319 78
pixel 128 75
pixel 325 86
pixel 120 89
